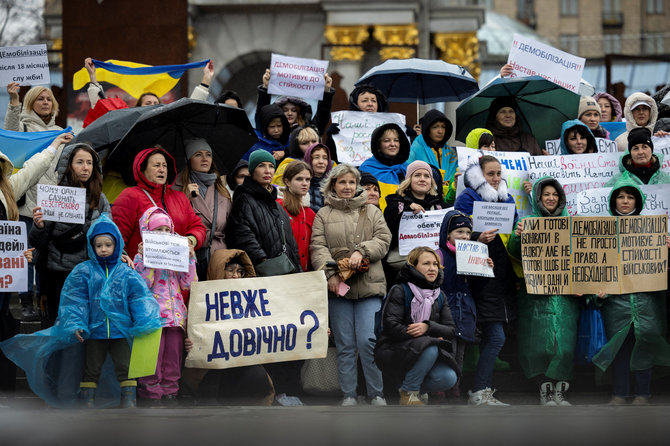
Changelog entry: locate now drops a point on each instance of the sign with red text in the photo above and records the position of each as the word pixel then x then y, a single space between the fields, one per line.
pixel 13 265
pixel 62 203
pixel 553 146
pixel 294 76
pixel 472 259
pixel 529 57
pixel 422 229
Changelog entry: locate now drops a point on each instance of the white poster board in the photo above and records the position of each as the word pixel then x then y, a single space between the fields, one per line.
pixel 13 265
pixel 472 259
pixel 27 65
pixel 295 76
pixel 498 216
pixel 553 146
pixel 353 141
pixel 162 250
pixel 240 322
pixel 62 203
pixel 529 57
pixel 422 229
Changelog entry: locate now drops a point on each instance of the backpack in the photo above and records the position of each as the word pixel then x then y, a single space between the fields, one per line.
pixel 379 315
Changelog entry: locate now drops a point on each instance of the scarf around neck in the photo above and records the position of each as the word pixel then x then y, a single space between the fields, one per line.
pixel 203 180
pixel 422 302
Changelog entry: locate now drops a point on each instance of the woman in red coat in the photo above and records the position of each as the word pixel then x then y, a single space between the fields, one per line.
pixel 155 172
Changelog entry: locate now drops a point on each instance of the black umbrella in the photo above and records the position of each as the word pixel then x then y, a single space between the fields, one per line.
pixel 226 129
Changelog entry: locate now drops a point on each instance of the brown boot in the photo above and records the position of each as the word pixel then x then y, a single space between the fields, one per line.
pixel 410 398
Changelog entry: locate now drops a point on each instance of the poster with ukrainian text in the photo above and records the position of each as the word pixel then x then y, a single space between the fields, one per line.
pixel 13 265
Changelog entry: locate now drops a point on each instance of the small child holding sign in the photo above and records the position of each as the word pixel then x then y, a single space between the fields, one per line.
pixel 167 287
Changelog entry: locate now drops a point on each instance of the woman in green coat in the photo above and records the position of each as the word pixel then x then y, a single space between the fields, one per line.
pixel 547 324
pixel 635 322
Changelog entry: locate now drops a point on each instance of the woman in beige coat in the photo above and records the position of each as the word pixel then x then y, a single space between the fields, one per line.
pixel 348 228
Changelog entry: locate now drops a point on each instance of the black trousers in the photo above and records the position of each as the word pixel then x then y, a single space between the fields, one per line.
pixel 96 352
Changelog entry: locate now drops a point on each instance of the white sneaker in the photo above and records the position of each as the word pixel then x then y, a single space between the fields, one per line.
pixel 477 398
pixel 378 401
pixel 349 401
pixel 424 398
pixel 559 393
pixel 288 401
pixel 547 394
pixel 491 400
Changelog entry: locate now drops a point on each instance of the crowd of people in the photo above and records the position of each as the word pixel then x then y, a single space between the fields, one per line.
pixel 406 321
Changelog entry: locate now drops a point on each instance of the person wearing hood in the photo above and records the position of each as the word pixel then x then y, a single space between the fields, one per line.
pixel 300 139
pixel 272 133
pixel 417 193
pixel 641 163
pixel 318 157
pixel 502 121
pixel 494 296
pixel 480 139
pixel 589 114
pixel 237 176
pixel 577 138
pixel 635 322
pixel 547 324
pixel 229 97
pixel 201 183
pixel 640 110
pixel 353 234
pixel 104 305
pixel 64 244
pixel 298 112
pixel 431 145
pixel 610 107
pixel 415 345
pixel 155 173
pixel 388 163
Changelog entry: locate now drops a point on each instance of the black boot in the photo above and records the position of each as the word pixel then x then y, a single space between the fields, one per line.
pixel 28 311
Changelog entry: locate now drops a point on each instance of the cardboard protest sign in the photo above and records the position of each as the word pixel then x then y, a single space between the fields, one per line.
pixel 294 76
pixel 27 65
pixel 471 259
pixel 422 229
pixel 62 203
pixel 162 250
pixel 353 141
pixel 553 146
pixel 13 265
pixel 515 172
pixel 585 255
pixel 240 322
pixel 498 216
pixel 529 57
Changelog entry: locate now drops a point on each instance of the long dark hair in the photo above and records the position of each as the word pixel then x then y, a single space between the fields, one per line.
pixel 94 184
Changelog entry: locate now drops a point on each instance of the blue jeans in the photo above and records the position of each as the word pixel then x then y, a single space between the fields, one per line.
pixel 493 339
pixel 621 372
pixel 428 374
pixel 352 323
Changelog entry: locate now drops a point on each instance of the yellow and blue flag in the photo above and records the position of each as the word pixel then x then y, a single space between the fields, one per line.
pixel 20 146
pixel 136 78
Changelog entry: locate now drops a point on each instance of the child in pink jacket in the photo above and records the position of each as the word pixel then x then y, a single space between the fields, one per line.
pixel 167 287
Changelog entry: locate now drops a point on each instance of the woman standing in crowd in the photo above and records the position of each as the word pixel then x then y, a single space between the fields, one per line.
pixel 237 176
pixel 417 193
pixel 416 344
pixel 610 107
pixel 576 138
pixel 64 244
pixel 640 110
pixel 431 145
pixel 547 325
pixel 506 129
pixel 494 296
pixel 481 139
pixel 297 179
pixel 350 231
pixel 635 322
pixel 204 188
pixel 641 163
pixel 371 186
pixel 300 139
pixel 155 173
pixel 318 157
pixel 589 114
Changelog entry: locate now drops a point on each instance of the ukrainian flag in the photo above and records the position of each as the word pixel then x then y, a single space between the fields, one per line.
pixel 136 78
pixel 20 146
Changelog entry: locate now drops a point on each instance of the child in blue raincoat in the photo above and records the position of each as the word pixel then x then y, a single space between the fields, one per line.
pixel 104 304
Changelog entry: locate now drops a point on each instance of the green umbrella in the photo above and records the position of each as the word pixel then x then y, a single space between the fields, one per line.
pixel 543 107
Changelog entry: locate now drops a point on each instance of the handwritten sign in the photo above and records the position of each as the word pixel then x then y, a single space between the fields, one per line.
pixel 585 255
pixel 553 146
pixel 514 171
pixel 422 229
pixel 62 203
pixel 529 57
pixel 472 259
pixel 353 141
pixel 13 265
pixel 240 322
pixel 163 250
pixel 487 216
pixel 27 65
pixel 662 146
pixel 294 76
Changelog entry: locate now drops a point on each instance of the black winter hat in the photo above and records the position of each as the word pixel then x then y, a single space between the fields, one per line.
pixel 368 178
pixel 640 135
pixel 458 220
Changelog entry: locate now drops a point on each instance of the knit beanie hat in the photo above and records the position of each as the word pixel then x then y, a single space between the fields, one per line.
pixel 418 165
pixel 587 103
pixel 368 178
pixel 260 156
pixel 159 219
pixel 459 221
pixel 193 145
pixel 640 135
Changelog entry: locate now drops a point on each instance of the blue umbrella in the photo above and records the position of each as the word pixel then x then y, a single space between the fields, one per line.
pixel 543 106
pixel 421 81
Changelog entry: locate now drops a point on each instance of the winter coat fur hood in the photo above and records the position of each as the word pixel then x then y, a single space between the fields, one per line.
pixel 474 179
pixel 617 114
pixel 622 140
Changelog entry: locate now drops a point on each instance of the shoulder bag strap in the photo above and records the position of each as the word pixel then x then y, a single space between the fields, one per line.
pixel 216 206
pixel 362 216
pixel 150 198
